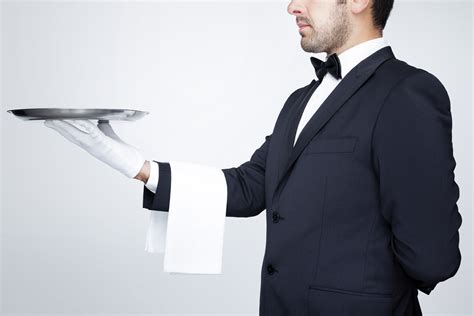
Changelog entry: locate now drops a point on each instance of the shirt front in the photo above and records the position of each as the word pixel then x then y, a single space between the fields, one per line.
pixel 348 59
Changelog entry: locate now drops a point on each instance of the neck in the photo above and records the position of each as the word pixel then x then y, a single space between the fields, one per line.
pixel 355 40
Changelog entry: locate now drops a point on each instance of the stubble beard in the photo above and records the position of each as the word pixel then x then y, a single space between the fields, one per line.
pixel 329 37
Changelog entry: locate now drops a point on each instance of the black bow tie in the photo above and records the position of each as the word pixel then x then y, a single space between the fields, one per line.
pixel 331 65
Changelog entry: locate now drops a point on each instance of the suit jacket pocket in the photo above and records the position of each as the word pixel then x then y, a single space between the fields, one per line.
pixel 323 301
pixel 331 145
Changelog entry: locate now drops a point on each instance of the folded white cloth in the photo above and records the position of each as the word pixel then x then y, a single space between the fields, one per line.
pixel 191 233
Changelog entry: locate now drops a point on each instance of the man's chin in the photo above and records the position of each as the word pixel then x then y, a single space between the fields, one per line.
pixel 307 48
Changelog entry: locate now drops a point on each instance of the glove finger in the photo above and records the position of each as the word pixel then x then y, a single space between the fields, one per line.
pixel 75 131
pixel 85 126
pixel 107 129
pixel 62 128
pixel 72 128
pixel 67 126
pixel 61 125
pixel 49 123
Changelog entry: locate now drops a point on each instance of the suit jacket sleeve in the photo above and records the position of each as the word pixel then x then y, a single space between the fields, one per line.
pixel 413 157
pixel 246 184
pixel 159 201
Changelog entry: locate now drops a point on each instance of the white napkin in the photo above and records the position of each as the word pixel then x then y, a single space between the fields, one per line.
pixel 191 233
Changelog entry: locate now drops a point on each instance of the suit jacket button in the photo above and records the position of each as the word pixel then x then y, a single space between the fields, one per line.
pixel 271 269
pixel 276 217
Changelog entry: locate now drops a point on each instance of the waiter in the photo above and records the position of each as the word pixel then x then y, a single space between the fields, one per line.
pixel 357 177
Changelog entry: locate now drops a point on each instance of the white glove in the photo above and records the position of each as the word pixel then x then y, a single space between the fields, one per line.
pixel 101 142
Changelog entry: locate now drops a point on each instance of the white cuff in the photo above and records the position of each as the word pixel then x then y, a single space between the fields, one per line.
pixel 152 181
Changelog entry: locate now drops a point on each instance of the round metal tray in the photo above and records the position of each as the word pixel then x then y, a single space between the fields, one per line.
pixel 30 114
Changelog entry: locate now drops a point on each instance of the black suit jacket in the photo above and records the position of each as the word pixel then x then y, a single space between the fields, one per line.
pixel 361 213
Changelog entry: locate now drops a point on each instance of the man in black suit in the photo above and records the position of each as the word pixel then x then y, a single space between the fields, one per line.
pixel 357 177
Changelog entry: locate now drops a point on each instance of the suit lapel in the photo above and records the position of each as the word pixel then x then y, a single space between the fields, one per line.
pixel 286 128
pixel 344 90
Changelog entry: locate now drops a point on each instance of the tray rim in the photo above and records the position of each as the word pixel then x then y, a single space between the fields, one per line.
pixel 94 109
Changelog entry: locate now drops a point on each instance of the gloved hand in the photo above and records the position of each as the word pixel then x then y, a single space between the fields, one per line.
pixel 101 142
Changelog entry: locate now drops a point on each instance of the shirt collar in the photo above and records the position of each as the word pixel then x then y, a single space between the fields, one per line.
pixel 354 55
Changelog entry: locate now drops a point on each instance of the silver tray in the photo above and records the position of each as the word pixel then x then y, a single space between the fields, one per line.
pixel 30 114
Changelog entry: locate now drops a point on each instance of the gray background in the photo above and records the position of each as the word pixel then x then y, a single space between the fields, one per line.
pixel 214 76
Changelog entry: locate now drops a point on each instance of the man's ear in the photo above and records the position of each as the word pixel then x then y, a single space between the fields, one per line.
pixel 358 6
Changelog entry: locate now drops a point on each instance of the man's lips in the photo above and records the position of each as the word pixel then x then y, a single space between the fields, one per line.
pixel 302 25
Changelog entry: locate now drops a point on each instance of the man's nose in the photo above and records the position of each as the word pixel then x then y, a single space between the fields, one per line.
pixel 294 8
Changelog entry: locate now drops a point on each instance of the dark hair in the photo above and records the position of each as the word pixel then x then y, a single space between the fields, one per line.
pixel 380 12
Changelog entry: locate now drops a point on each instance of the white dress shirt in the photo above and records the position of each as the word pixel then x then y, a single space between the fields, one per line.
pixel 197 211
